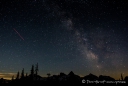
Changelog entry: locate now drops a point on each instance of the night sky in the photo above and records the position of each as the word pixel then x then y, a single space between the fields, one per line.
pixel 83 36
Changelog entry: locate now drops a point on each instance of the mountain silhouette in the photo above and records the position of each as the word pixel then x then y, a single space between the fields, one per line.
pixel 61 79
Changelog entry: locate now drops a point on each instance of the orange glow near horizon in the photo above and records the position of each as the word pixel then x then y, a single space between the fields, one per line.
pixel 116 76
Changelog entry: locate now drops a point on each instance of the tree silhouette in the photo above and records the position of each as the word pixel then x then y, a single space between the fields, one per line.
pixel 17 77
pixel 34 79
pixel 48 74
pixel 32 70
pixel 22 73
pixel 32 73
pixel 12 77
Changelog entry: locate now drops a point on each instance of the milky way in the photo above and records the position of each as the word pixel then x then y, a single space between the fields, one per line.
pixel 95 38
pixel 99 45
pixel 83 36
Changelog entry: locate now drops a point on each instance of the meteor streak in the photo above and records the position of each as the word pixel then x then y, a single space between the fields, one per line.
pixel 18 34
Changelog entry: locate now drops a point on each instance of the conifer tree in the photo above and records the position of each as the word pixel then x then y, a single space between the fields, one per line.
pixel 22 73
pixel 17 77
pixel 12 77
pixel 48 74
pixel 32 70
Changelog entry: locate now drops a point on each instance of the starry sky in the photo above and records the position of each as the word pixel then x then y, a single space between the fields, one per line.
pixel 83 36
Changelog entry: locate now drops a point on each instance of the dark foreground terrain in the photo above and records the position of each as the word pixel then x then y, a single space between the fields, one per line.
pixel 63 79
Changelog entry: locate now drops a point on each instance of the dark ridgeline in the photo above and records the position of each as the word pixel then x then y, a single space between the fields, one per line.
pixel 62 79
